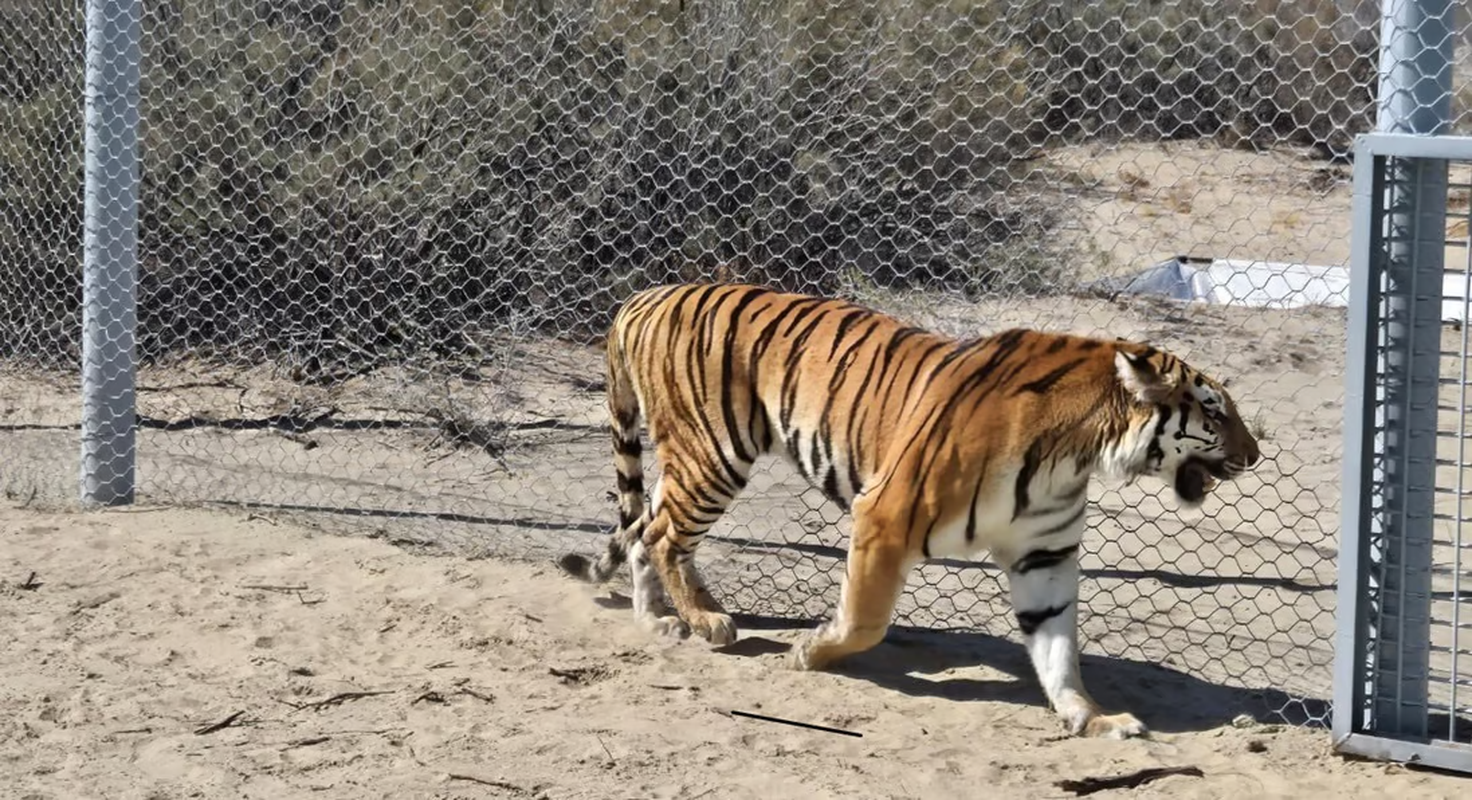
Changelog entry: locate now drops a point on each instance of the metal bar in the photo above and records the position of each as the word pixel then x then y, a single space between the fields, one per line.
pixel 1351 634
pixel 1442 755
pixel 1461 487
pixel 1406 145
pixel 110 252
pixel 1414 97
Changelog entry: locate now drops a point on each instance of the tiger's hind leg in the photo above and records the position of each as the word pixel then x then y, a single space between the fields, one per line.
pixel 650 610
pixel 688 508
pixel 1044 583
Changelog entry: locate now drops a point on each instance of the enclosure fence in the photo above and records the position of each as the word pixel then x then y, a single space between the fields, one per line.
pixel 357 271
pixel 1405 618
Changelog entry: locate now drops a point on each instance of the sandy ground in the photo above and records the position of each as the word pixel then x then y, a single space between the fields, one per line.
pixel 1138 204
pixel 140 629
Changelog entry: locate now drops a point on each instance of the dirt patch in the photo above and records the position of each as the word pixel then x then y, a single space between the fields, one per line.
pixel 188 684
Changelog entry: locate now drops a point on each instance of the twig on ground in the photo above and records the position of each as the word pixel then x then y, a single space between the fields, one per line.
pixel 484 698
pixel 218 726
pixel 337 699
pixel 1127 781
pixel 307 742
pixel 430 696
pixel 276 587
pixel 454 776
pixel 31 583
pixel 97 602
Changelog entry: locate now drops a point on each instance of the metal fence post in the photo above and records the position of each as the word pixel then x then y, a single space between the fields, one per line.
pixel 1415 94
pixel 109 251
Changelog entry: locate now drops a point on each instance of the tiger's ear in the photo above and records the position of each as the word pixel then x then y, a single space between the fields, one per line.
pixel 1141 378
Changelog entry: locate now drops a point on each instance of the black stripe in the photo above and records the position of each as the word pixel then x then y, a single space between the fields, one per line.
pixel 1065 524
pixel 971 512
pixel 839 373
pixel 630 484
pixel 1154 452
pixel 1042 559
pixel 816 452
pixel 973 382
pixel 1006 346
pixel 925 543
pixel 728 367
pixel 805 306
pixel 794 355
pixel 919 362
pixel 830 486
pixel 1030 462
pixel 848 321
pixel 1030 621
pixel 1065 501
pixel 1043 384
pixel 856 426
pixel 732 476
pixel 794 450
pixel 627 447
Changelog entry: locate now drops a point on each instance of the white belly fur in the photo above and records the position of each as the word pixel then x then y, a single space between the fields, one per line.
pixel 997 531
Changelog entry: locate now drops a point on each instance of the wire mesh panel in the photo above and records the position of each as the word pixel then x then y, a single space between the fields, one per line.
pixel 1403 687
pixel 378 240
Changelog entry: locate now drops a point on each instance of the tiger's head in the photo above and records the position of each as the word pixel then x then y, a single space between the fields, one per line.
pixel 1189 431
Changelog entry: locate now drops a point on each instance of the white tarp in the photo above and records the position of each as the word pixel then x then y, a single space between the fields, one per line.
pixel 1262 284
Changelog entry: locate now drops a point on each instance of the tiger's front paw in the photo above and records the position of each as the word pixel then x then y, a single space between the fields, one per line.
pixel 1112 726
pixel 718 629
pixel 808 655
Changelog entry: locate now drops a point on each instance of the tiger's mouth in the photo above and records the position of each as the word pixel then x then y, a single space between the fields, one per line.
pixel 1195 478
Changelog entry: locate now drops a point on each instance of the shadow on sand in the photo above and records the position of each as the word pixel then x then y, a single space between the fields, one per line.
pixel 1165 699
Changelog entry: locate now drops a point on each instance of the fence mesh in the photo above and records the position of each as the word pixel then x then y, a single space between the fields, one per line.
pixel 379 238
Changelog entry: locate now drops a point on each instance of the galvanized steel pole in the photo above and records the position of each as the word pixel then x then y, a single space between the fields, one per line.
pixel 1414 97
pixel 109 251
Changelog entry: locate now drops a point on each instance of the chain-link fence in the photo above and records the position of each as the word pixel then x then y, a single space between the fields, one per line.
pixel 378 240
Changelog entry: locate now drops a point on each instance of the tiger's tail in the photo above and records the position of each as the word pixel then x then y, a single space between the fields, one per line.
pixel 623 419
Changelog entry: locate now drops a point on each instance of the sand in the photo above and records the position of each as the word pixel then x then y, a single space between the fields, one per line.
pixel 142 628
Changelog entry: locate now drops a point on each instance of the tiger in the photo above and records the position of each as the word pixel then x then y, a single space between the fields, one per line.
pixel 937 447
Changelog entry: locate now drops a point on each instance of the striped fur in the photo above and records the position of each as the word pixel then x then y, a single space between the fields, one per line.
pixel 938 447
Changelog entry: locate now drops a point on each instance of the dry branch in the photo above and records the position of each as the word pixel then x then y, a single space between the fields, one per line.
pixel 484 698
pixel 218 726
pixel 337 699
pixel 486 782
pixel 1127 781
pixel 97 602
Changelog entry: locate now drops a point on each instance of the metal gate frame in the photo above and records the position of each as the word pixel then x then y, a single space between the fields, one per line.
pixel 1388 696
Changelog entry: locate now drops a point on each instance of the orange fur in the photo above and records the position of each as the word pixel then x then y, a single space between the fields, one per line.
pixel 936 446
